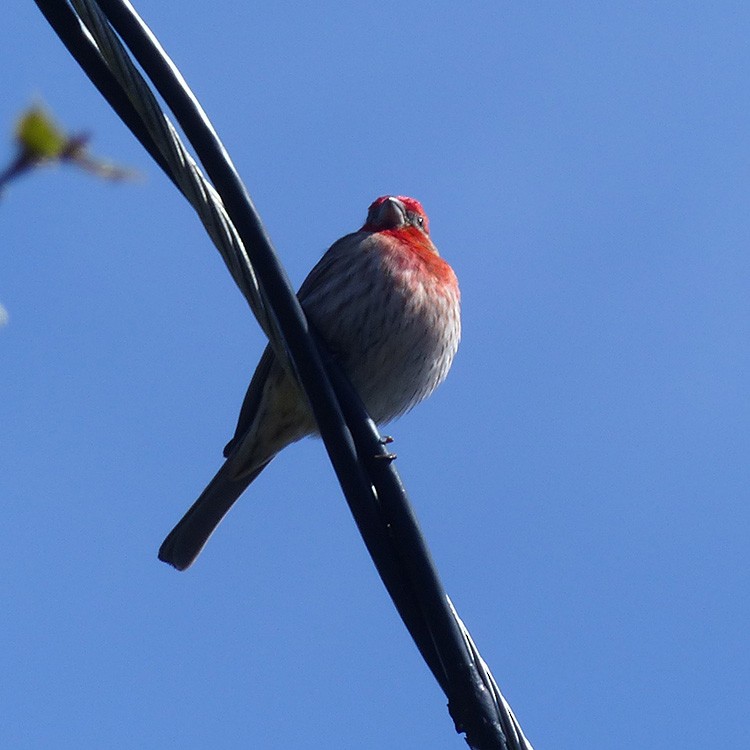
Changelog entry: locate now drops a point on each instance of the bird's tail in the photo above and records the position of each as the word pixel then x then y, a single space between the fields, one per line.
pixel 186 540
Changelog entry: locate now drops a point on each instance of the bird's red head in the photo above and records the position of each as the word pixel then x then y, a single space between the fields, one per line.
pixel 396 212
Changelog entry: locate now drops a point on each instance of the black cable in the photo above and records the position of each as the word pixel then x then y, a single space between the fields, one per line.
pixel 352 441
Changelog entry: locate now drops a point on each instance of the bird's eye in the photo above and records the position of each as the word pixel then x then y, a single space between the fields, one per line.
pixel 415 219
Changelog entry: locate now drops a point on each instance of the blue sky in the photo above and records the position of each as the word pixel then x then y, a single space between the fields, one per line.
pixel 582 476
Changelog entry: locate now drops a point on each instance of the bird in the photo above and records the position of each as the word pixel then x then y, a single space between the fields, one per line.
pixel 387 307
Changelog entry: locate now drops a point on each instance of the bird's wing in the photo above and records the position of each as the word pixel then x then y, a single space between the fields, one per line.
pixel 252 399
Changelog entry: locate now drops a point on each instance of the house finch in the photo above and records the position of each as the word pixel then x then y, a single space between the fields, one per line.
pixel 387 307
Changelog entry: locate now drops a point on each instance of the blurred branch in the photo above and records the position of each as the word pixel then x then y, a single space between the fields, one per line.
pixel 40 142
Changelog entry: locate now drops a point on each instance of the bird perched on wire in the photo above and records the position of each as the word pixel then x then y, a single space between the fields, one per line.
pixel 387 307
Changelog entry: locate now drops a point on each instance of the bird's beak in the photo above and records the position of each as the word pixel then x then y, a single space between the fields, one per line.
pixel 391 214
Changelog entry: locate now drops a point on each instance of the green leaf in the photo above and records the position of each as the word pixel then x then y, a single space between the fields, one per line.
pixel 39 136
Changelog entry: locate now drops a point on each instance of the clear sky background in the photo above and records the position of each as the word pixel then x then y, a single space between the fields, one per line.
pixel 582 476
